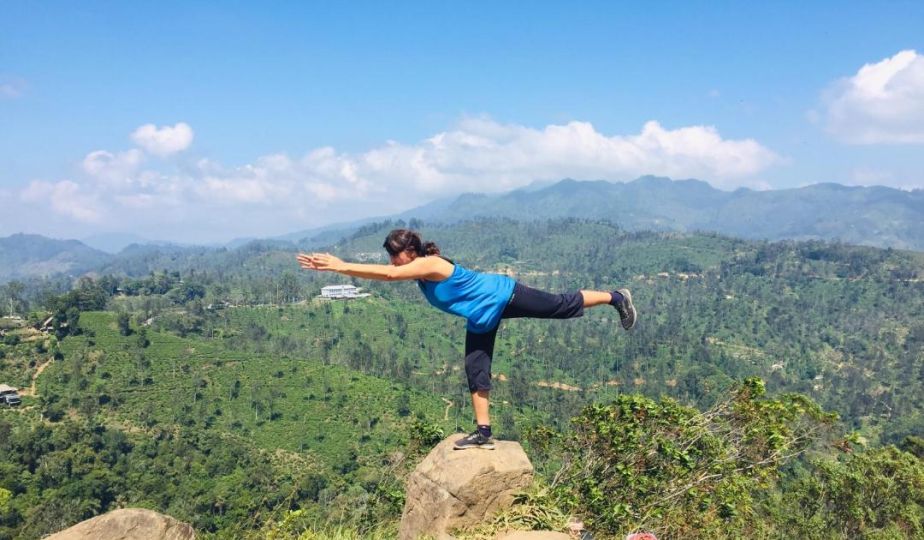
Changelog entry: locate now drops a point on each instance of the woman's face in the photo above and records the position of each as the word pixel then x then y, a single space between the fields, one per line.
pixel 403 258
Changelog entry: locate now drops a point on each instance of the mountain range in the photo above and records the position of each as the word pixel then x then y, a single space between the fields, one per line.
pixel 874 216
pixel 33 255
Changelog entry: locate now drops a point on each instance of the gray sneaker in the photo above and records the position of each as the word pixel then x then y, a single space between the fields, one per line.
pixel 475 440
pixel 626 309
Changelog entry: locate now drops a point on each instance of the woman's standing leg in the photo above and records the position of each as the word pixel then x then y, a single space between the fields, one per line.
pixel 479 350
pixel 480 403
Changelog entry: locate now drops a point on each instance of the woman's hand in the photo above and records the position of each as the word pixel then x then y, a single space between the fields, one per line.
pixel 322 262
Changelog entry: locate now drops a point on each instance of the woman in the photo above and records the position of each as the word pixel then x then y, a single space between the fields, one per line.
pixel 483 299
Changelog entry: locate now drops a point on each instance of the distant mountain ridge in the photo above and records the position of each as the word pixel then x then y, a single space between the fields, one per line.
pixel 113 242
pixel 33 255
pixel 873 216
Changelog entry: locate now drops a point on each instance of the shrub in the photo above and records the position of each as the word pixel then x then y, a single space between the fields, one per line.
pixel 638 463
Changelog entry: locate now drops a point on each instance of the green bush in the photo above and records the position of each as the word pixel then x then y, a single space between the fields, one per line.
pixel 638 463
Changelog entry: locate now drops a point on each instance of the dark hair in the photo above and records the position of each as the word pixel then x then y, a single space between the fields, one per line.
pixel 400 240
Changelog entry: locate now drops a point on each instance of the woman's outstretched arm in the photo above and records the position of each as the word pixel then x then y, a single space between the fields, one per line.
pixel 432 268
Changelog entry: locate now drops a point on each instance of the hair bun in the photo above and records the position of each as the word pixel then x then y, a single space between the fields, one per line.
pixel 430 248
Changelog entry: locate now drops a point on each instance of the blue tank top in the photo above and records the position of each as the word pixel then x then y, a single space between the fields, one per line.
pixel 480 298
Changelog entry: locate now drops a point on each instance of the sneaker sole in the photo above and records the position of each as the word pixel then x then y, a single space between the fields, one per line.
pixel 628 296
pixel 478 446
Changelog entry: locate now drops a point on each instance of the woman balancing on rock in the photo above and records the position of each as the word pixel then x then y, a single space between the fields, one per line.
pixel 483 299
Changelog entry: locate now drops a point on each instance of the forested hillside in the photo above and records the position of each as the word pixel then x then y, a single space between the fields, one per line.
pixel 214 386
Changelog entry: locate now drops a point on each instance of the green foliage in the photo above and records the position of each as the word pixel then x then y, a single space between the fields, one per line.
pixel 873 494
pixel 124 322
pixel 333 431
pixel 142 340
pixel 425 436
pixel 643 464
pixel 913 445
pixel 68 472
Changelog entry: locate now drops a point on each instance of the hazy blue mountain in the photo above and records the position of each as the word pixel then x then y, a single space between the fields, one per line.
pixel 113 242
pixel 874 216
pixel 331 234
pixel 32 255
pixel 238 242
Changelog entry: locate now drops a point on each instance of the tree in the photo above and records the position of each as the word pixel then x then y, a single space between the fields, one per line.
pixel 123 320
pixel 67 323
pixel 13 298
pixel 289 288
pixel 142 338
pixel 404 405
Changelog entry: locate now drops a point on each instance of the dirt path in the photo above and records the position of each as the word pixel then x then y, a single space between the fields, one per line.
pixel 448 405
pixel 41 368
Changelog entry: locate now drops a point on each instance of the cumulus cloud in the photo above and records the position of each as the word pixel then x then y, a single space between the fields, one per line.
pixel 279 193
pixel 484 155
pixel 165 140
pixel 66 198
pixel 113 169
pixel 881 103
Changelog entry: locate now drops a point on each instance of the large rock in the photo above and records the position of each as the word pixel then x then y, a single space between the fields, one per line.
pixel 128 524
pixel 458 488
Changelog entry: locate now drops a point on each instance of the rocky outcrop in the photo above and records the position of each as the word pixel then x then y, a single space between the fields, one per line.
pixel 459 488
pixel 128 524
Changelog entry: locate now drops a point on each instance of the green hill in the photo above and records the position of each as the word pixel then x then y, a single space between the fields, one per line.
pixel 31 255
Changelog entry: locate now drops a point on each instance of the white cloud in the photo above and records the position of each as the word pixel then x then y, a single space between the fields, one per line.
pixel 113 169
pixel 882 103
pixel 865 176
pixel 65 198
pixel 868 176
pixel 483 155
pixel 165 140
pixel 205 200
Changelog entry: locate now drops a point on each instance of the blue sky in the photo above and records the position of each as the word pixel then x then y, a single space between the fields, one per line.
pixel 206 121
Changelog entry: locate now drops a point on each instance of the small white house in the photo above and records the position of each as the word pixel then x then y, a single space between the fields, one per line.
pixel 341 291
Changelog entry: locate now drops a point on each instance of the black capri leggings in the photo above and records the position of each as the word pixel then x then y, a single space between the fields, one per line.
pixel 525 302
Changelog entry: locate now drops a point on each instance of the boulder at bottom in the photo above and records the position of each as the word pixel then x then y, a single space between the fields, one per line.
pixel 128 524
pixel 459 488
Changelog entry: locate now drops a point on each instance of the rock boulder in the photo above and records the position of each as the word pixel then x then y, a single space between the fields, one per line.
pixel 458 488
pixel 128 524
